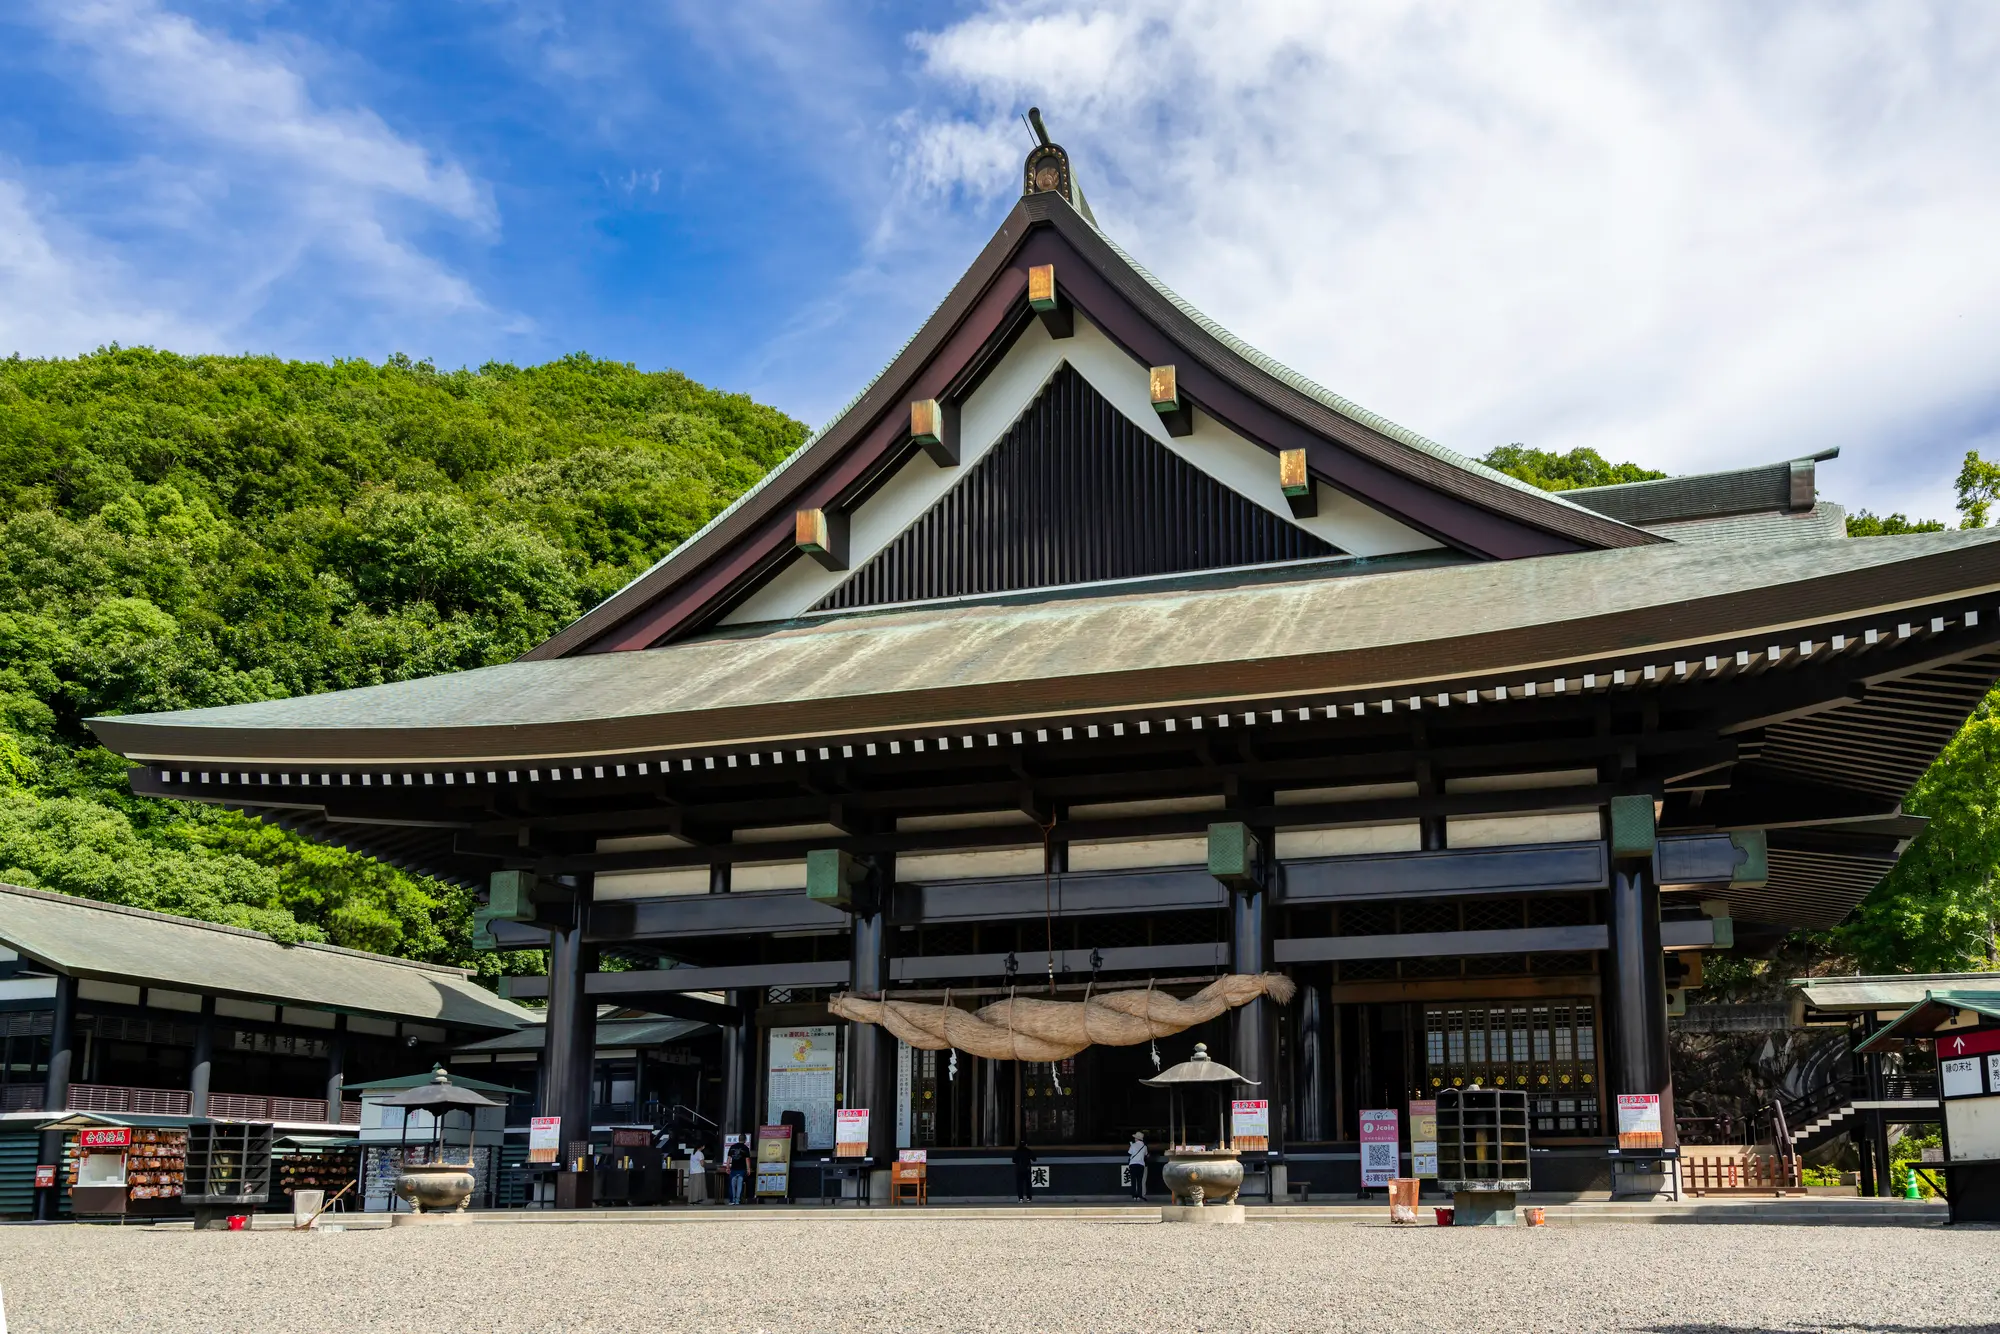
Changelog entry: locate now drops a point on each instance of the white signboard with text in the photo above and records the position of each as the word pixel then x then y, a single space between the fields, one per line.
pixel 800 1079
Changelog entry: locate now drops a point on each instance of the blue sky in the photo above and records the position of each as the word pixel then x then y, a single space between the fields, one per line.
pixel 1695 236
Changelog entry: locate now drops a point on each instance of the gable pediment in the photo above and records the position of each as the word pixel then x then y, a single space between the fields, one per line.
pixel 1074 493
pixel 1378 473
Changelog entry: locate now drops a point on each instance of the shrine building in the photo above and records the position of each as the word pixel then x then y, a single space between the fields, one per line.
pixel 959 700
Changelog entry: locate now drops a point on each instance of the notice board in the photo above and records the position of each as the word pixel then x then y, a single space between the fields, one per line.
pixel 800 1079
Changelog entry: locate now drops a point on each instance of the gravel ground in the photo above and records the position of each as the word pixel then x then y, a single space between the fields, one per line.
pixel 1037 1276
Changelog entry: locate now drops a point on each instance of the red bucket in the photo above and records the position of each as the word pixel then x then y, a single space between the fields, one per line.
pixel 237 1222
pixel 1533 1216
pixel 1445 1213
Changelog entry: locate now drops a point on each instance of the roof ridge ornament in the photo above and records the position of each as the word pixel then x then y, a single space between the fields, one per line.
pixel 1047 169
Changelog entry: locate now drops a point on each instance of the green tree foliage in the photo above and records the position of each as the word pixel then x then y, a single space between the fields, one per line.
pixel 180 532
pixel 1978 488
pixel 1861 523
pixel 1938 909
pixel 1564 472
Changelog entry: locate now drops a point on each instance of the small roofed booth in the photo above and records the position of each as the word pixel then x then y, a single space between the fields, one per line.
pixel 1962 1029
pixel 943 709
pixel 121 1011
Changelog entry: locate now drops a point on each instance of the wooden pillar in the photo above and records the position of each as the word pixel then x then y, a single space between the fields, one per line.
pixel 55 1088
pixel 1311 1082
pixel 871 1064
pixel 336 1067
pixel 569 1040
pixel 202 1070
pixel 1635 992
pixel 739 1067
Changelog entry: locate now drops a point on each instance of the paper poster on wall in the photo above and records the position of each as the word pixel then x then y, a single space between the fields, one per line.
pixel 544 1139
pixel 1639 1121
pixel 1378 1147
pixel 799 1078
pixel 1250 1124
pixel 850 1135
pixel 1423 1137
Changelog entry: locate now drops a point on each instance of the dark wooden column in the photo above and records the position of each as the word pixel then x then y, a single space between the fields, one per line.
pixel 740 1114
pixel 202 1071
pixel 55 1088
pixel 739 1066
pixel 871 1066
pixel 569 1040
pixel 1238 857
pixel 336 1067
pixel 1635 981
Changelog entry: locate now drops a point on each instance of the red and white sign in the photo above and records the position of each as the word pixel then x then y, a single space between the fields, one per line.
pixel 1968 1044
pixel 1250 1124
pixel 544 1139
pixel 106 1137
pixel 1379 1156
pixel 1639 1121
pixel 850 1133
pixel 45 1176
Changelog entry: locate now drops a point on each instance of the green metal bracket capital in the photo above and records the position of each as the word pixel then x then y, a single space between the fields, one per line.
pixel 1236 857
pixel 1633 831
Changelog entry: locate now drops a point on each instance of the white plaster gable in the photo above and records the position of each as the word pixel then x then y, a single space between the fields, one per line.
pixel 992 409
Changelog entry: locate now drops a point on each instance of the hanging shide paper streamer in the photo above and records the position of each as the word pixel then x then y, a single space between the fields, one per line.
pixel 1023 1029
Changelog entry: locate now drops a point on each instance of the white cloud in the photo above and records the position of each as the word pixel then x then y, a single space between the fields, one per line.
pixel 237 184
pixel 60 291
pixel 1689 235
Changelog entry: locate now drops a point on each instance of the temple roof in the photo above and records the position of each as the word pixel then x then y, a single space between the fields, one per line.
pixel 1329 627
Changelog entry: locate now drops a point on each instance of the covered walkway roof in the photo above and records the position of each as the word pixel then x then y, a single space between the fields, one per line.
pixel 109 943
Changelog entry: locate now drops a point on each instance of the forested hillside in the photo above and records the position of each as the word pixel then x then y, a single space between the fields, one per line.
pixel 187 531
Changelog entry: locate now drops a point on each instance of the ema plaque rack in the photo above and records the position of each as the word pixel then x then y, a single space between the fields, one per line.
pixel 1482 1148
pixel 228 1163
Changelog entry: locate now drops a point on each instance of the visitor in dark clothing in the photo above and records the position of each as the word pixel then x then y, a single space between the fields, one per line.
pixel 739 1170
pixel 1024 1174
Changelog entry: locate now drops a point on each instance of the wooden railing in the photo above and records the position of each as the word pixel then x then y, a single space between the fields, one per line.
pixel 1742 1172
pixel 116 1098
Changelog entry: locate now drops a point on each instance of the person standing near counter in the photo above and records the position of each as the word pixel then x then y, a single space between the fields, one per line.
pixel 1024 1172
pixel 697 1189
pixel 1135 1158
pixel 739 1170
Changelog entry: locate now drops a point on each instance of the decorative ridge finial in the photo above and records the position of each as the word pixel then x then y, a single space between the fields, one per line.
pixel 1047 170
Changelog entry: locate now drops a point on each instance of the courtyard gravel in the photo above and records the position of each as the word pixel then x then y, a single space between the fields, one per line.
pixel 1031 1276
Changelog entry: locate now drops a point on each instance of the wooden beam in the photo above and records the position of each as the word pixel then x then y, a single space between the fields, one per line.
pixel 822 534
pixel 1084 894
pixel 1035 963
pixel 934 429
pixel 1463 988
pixel 1048 302
pixel 1544 868
pixel 1301 492
pixel 1176 413
pixel 1428 944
